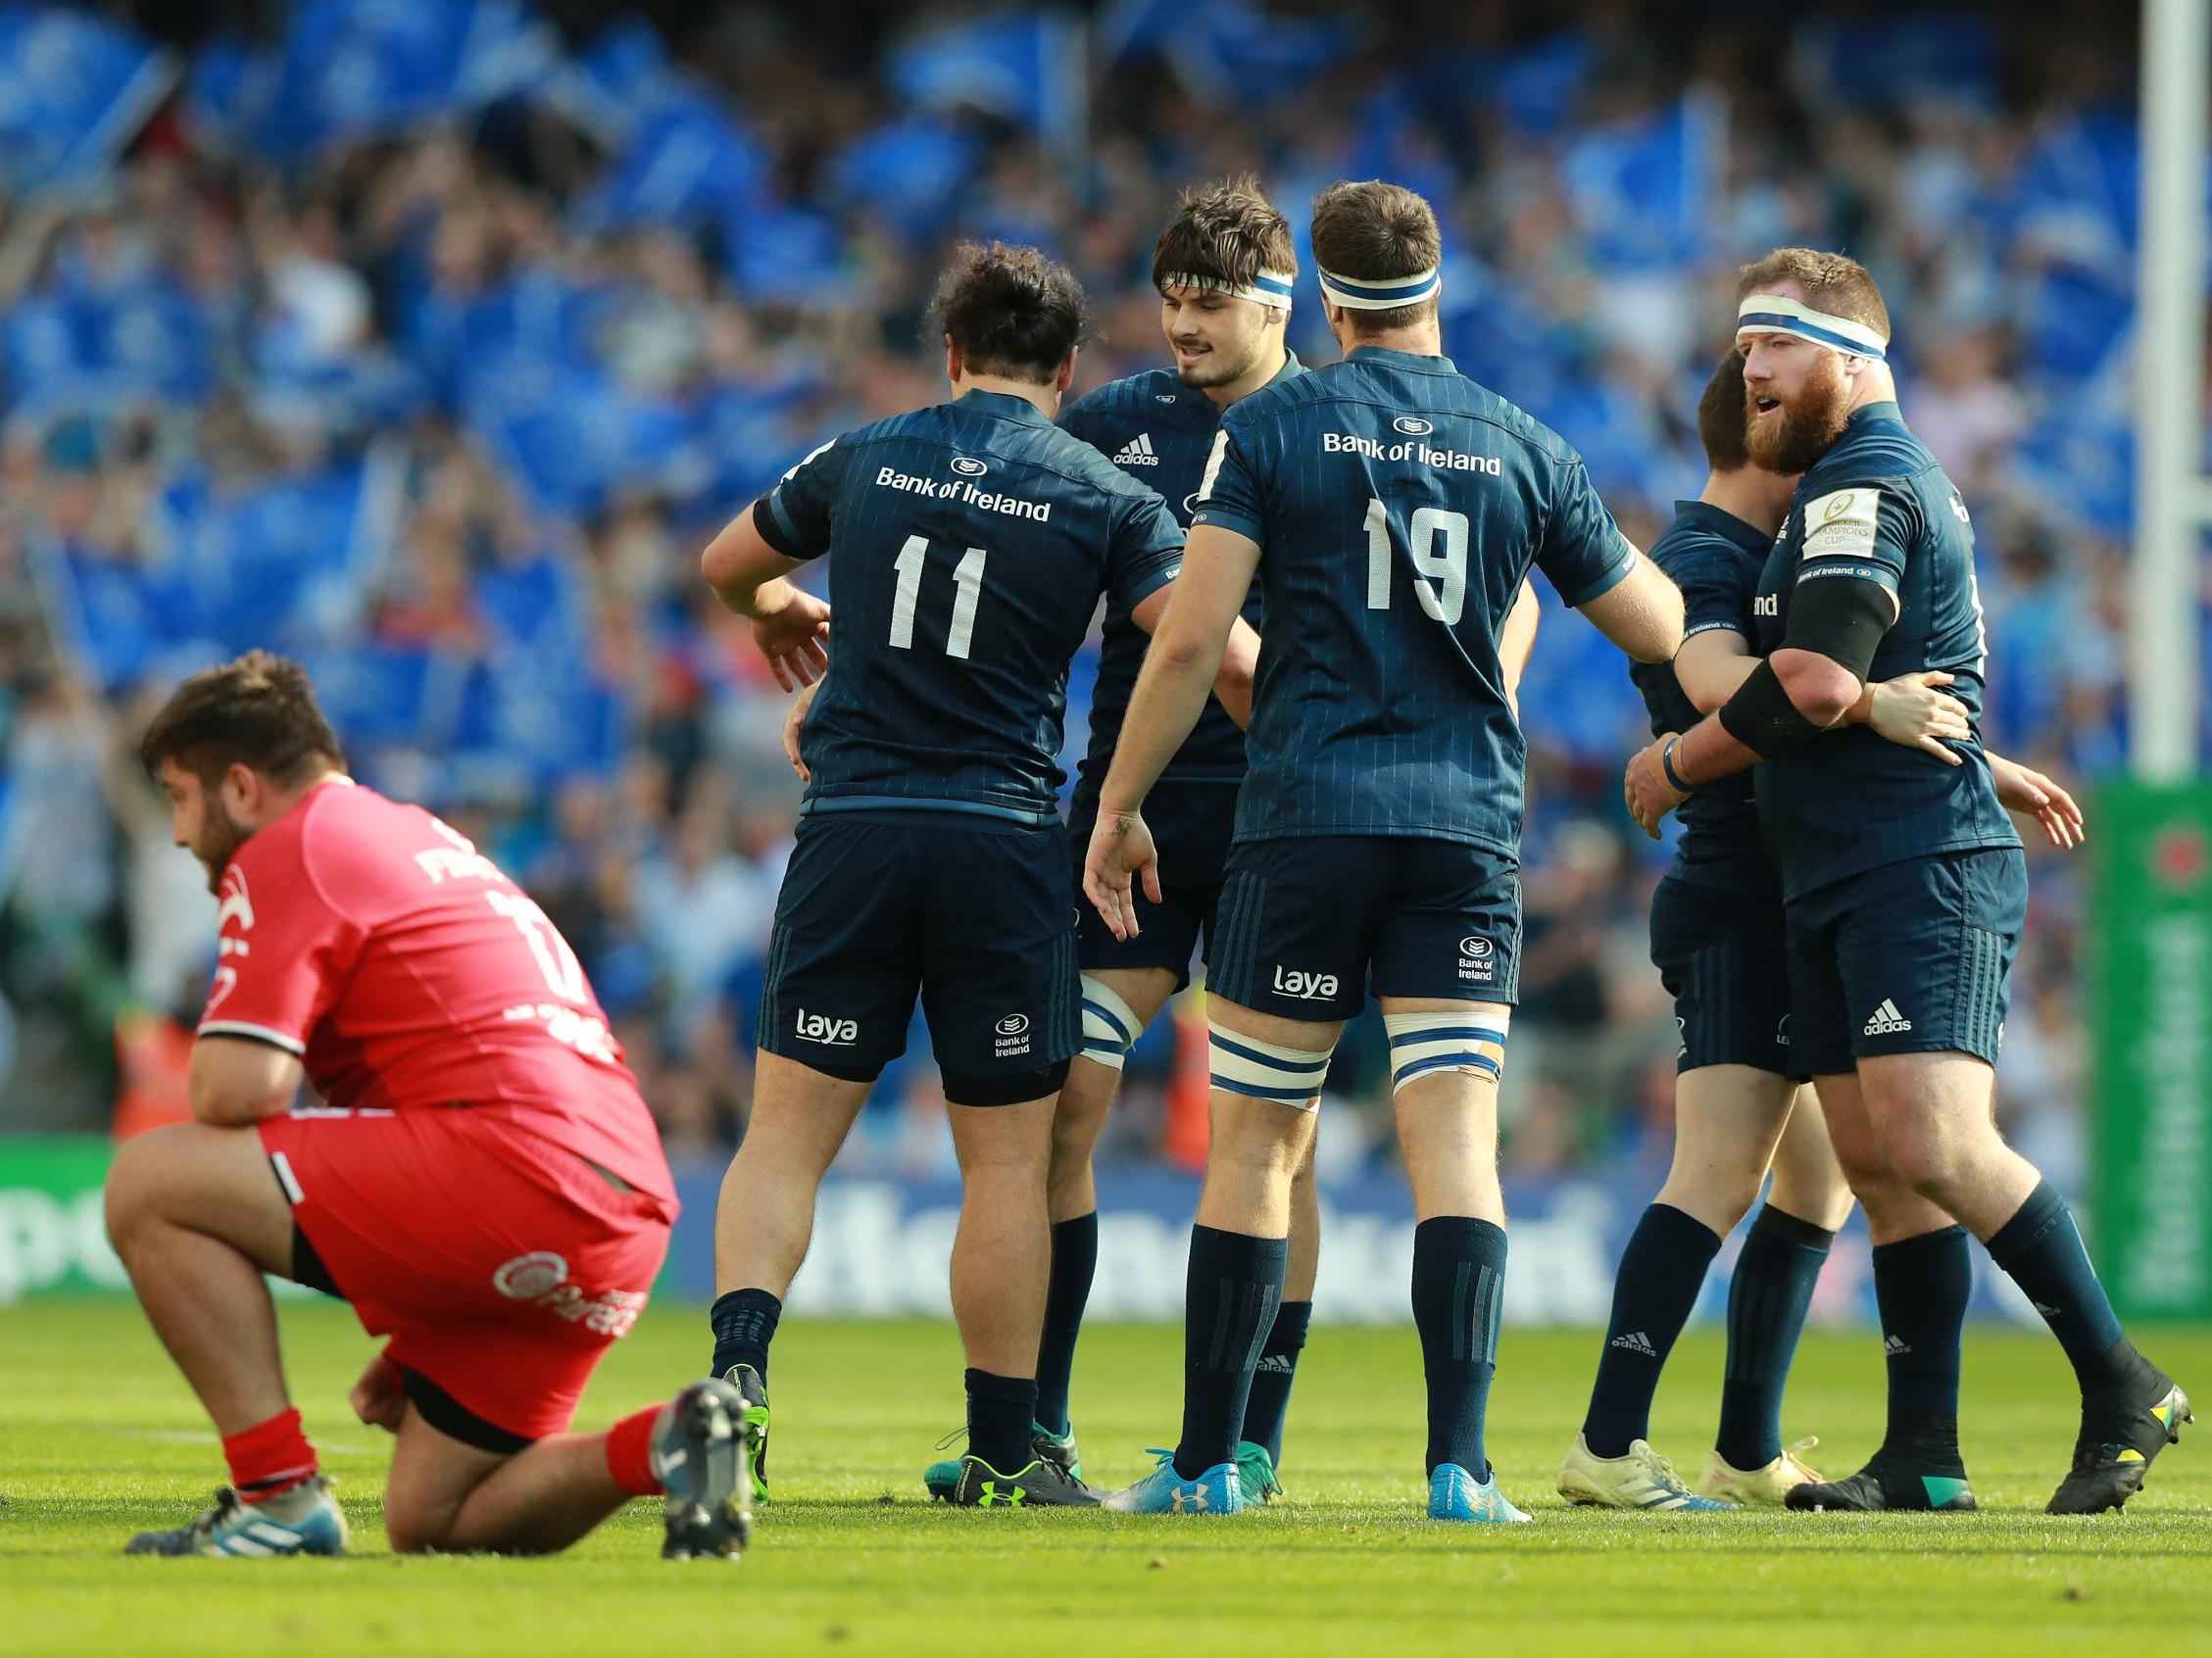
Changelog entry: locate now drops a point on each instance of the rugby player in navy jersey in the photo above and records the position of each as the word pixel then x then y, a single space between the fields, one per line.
pixel 1906 892
pixel 1717 940
pixel 1224 266
pixel 1391 509
pixel 968 545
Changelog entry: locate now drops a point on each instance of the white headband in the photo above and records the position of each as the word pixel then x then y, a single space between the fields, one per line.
pixel 1771 313
pixel 1384 294
pixel 1269 288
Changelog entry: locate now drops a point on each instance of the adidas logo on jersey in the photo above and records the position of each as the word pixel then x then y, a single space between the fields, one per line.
pixel 1137 452
pixel 1635 1341
pixel 1887 1020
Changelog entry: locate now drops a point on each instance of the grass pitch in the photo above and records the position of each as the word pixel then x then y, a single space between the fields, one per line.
pixel 99 1437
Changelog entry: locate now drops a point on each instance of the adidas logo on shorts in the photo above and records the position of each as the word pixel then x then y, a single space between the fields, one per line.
pixel 1137 452
pixel 1887 1020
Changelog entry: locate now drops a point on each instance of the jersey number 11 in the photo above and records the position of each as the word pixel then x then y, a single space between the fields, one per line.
pixel 968 588
pixel 1438 546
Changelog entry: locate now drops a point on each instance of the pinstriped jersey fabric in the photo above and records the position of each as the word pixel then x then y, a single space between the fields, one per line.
pixel 1160 431
pixel 1398 505
pixel 968 545
pixel 1878 507
pixel 1716 558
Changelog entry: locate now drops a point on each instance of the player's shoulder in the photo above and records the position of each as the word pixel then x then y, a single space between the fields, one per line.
pixel 1877 449
pixel 1692 546
pixel 1136 397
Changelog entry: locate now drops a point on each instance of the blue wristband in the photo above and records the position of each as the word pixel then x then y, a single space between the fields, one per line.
pixel 1666 764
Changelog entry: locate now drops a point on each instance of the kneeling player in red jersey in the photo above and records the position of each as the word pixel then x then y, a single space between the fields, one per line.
pixel 482 1181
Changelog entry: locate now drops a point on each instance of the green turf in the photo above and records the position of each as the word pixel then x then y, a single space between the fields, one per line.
pixel 98 1437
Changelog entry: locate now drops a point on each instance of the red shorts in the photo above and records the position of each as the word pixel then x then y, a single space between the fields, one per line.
pixel 501 1265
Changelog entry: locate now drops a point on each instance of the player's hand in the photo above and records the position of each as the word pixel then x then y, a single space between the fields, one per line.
pixel 792 723
pixel 794 637
pixel 378 1397
pixel 1646 790
pixel 2030 793
pixel 1121 850
pixel 1914 713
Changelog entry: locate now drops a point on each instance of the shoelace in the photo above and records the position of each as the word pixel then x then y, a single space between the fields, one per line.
pixel 1811 1442
pixel 1660 1468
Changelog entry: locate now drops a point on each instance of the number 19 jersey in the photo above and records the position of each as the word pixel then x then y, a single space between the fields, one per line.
pixel 969 542
pixel 1398 505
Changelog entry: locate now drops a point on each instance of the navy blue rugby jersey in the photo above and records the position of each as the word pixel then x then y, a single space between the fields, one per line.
pixel 1878 507
pixel 1716 558
pixel 1160 431
pixel 968 544
pixel 1398 505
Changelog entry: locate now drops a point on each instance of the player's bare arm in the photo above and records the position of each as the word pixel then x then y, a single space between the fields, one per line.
pixel 788 624
pixel 1517 643
pixel 1911 710
pixel 1642 612
pixel 1809 684
pixel 237 1081
pixel 1190 645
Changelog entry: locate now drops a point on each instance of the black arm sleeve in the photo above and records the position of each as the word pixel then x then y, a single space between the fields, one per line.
pixel 1761 717
pixel 1841 617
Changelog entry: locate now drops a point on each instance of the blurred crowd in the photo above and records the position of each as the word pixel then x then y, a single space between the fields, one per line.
pixel 437 370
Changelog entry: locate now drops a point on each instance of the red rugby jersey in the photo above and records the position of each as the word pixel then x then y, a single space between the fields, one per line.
pixel 407 972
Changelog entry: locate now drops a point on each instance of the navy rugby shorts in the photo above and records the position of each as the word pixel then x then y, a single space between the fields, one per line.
pixel 1192 825
pixel 974 916
pixel 1723 955
pixel 1309 924
pixel 1908 958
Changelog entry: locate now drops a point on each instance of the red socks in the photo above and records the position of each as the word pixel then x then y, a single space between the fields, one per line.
pixel 629 1454
pixel 270 1458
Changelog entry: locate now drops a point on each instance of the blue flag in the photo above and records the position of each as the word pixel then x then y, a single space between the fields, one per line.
pixel 1027 67
pixel 74 90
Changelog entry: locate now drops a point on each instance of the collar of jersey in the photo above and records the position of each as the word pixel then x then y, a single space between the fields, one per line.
pixel 1883 413
pixel 1724 524
pixel 1420 362
pixel 1005 404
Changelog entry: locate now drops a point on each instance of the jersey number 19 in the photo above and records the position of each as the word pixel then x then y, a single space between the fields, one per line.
pixel 1438 547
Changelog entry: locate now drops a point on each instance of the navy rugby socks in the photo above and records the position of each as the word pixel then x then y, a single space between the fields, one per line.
pixel 1000 1411
pixel 1920 1289
pixel 1768 1296
pixel 745 1323
pixel 2042 1249
pixel 1458 1286
pixel 1075 1261
pixel 1235 1286
pixel 1660 1274
pixel 1270 1397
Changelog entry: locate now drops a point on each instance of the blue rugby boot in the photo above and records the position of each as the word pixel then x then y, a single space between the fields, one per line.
pixel 1218 1490
pixel 1456 1494
pixel 305 1520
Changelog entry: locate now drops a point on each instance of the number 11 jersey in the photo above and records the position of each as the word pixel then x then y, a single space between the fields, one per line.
pixel 1397 507
pixel 968 543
